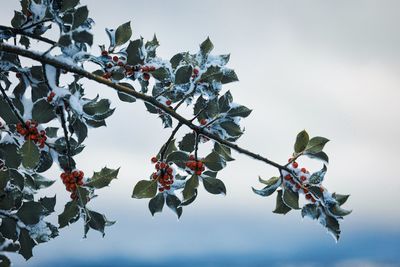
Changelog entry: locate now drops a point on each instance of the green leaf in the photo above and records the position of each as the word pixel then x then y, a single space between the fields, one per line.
pixel 341 199
pixel 25 41
pixel 318 177
pixel 145 189
pixel 190 187
pixel 338 211
pixel 83 37
pixel 96 221
pixel 188 142
pixel 316 144
pixel 223 151
pixel 213 73
pixel 68 4
pixel 8 228
pixel 206 47
pixel 183 74
pixel 301 141
pixel 311 211
pixel 6 113
pixel 174 204
pixel 281 207
pixel 41 182
pixel 214 162
pixel 239 111
pixel 231 128
pixel 26 243
pixel 316 191
pixel 43 112
pixel 70 214
pixel 123 33
pixel 176 60
pixel 272 185
pixel 319 155
pixel 332 225
pixel 134 53
pixel 18 19
pixel 103 178
pixel 156 204
pixel 64 40
pixel 9 152
pixel 4 261
pixel 45 162
pixel 97 107
pixel 30 212
pixel 160 74
pixel 80 16
pixel 179 158
pixel 125 97
pixel 214 186
pixel 49 203
pixel 83 195
pixel 80 130
pixel 291 199
pixel 229 76
pixel 51 132
pixel 30 154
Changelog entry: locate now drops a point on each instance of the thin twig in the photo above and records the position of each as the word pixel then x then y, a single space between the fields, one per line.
pixel 165 147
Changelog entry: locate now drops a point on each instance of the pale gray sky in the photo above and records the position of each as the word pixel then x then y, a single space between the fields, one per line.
pixel 331 67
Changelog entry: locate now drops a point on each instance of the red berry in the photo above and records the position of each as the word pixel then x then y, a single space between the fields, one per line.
pixel 18 75
pixel 168 102
pixel 305 190
pixel 146 76
pixel 104 53
pixel 290 159
pixel 167 187
pixel 288 177
pixel 191 157
pixel 154 159
pixel 158 166
pixel 295 164
pixel 163 165
pixel 298 186
pixel 198 172
pixel 303 178
pixel 313 200
pixel 203 121
pixel 308 196
pixel 120 63
pixel 170 170
pixel 196 71
pixel 161 189
pixel 115 58
pixel 303 170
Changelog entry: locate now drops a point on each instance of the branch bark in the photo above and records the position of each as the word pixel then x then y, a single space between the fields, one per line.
pixel 46 59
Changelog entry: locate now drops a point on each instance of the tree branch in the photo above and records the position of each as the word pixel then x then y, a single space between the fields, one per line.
pixel 31 35
pixel 165 147
pixel 148 99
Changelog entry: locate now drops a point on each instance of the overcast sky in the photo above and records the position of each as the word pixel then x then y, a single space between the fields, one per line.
pixel 330 67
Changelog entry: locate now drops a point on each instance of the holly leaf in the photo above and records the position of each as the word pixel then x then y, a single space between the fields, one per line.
pixel 174 204
pixel 190 187
pixel 301 142
pixel 123 33
pixel 316 144
pixel 206 47
pixel 281 207
pixel 214 185
pixel 341 199
pixel 311 211
pixel 291 199
pixel 103 178
pixel 318 177
pixel 214 162
pixel 70 214
pixel 156 204
pixel 272 185
pixel 43 112
pixel 188 142
pixel 179 158
pixel 145 189
pixel 183 74
pixel 30 212
pixel 26 243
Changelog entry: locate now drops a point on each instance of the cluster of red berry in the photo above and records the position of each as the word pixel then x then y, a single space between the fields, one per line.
pixel 299 185
pixel 195 73
pixel 163 174
pixel 71 181
pixel 197 166
pixel 31 132
pixel 51 96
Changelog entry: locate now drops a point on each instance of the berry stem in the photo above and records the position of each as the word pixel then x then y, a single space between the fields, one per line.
pixel 165 147
pixel 65 129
